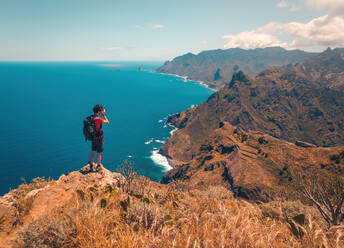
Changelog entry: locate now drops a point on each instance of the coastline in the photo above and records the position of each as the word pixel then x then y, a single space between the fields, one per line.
pixel 157 156
pixel 186 79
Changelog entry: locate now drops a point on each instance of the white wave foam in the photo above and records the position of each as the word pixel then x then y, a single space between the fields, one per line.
pixel 160 121
pixel 205 85
pixel 129 156
pixel 160 160
pixel 175 75
pixel 186 79
pixel 160 141
pixel 175 129
pixel 149 141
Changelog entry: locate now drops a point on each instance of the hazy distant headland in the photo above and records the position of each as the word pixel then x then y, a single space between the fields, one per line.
pixel 216 67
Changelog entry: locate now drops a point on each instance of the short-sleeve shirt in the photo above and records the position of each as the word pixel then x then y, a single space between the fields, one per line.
pixel 99 121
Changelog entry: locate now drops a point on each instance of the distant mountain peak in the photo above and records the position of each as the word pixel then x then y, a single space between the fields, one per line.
pixel 239 76
pixel 328 50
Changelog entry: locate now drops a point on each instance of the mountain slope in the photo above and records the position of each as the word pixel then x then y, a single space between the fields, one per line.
pixel 256 133
pixel 303 102
pixel 216 67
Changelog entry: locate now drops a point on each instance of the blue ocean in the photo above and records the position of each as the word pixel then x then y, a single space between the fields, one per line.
pixel 44 104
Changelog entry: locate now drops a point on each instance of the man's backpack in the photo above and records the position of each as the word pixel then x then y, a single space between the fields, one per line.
pixel 90 131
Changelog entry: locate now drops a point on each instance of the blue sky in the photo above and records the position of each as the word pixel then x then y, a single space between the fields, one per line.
pixel 63 30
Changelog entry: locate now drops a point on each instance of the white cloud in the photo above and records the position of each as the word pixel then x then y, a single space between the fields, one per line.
pixel 291 7
pixel 153 26
pixel 115 48
pixel 282 4
pixel 252 39
pixel 336 7
pixel 330 4
pixel 157 26
pixel 321 31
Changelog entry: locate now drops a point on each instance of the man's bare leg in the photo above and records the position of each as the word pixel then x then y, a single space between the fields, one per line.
pixel 92 160
pixel 99 158
pixel 92 157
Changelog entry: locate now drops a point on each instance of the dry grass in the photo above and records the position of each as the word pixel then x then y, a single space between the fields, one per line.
pixel 22 203
pixel 155 215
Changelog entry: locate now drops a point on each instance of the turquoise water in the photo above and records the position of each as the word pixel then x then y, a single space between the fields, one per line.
pixel 44 104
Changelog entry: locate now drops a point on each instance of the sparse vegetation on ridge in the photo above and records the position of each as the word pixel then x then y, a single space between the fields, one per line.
pixel 174 215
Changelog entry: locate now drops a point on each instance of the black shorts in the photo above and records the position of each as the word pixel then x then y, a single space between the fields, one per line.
pixel 98 145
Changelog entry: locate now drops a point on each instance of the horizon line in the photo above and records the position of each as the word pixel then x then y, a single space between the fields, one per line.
pixel 64 61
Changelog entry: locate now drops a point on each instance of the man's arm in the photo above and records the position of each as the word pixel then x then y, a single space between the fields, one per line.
pixel 105 120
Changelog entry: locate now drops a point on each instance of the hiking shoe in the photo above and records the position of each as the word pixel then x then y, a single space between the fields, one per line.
pixel 92 165
pixel 99 167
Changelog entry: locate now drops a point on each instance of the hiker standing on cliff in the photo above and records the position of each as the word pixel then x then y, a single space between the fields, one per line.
pixel 97 138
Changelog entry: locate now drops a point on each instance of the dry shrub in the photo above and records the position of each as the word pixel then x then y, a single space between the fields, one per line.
pixel 290 209
pixel 126 168
pixel 219 192
pixel 47 232
pixel 147 216
pixel 22 207
pixel 25 188
pixel 22 202
pixel 326 194
pixel 312 234
pixel 141 186
pixel 94 225
pixel 178 186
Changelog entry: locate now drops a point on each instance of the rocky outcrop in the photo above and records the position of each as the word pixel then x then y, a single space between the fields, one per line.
pixel 238 77
pixel 43 200
pixel 178 173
